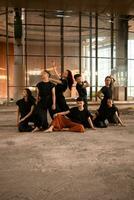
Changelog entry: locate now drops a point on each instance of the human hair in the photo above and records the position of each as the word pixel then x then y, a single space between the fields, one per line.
pixel 79 99
pixel 77 76
pixel 70 79
pixel 107 77
pixel 29 95
pixel 47 72
pixel 111 82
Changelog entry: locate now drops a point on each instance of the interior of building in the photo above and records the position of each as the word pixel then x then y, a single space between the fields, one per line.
pixel 94 39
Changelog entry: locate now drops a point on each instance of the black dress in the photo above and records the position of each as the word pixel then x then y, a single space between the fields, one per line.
pixel 24 109
pixel 60 99
pixel 107 92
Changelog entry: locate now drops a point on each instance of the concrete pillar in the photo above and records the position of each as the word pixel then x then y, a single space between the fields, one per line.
pixel 121 43
pixel 19 76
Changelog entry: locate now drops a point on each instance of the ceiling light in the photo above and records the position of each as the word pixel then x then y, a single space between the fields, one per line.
pixel 62 15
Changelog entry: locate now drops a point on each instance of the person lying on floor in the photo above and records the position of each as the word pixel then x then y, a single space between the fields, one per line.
pixel 75 120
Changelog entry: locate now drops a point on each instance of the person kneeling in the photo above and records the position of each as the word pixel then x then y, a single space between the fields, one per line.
pixel 76 119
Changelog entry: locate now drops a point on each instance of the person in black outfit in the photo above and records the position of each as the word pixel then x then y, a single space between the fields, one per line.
pixel 112 113
pixel 46 100
pixel 81 88
pixel 71 119
pixel 25 108
pixel 66 81
pixel 80 114
pixel 104 94
pixel 106 91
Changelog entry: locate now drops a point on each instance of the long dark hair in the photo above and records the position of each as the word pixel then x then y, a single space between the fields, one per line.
pixel 111 82
pixel 70 79
pixel 29 95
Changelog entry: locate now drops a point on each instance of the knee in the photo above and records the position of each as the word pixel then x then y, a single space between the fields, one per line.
pixel 82 129
pixel 59 116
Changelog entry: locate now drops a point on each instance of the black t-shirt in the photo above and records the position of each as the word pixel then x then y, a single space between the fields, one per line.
pixel 61 87
pixel 107 91
pixel 82 91
pixel 25 106
pixel 45 89
pixel 80 116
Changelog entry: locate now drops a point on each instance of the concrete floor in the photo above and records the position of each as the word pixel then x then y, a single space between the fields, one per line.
pixel 96 165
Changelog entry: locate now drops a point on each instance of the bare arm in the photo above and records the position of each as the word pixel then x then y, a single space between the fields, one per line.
pixel 119 119
pixel 91 123
pixel 56 81
pixel 62 113
pixel 37 95
pixel 53 99
pixel 99 95
pixel 55 69
pixel 86 84
pixel 112 81
pixel 28 115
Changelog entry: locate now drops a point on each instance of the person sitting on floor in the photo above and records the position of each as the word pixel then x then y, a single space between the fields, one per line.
pixel 112 113
pixel 76 119
pixel 25 108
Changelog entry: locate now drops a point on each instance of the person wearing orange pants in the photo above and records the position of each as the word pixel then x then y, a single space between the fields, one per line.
pixel 78 119
pixel 60 122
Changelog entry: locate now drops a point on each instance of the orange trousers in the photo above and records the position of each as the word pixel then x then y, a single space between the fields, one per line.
pixel 60 122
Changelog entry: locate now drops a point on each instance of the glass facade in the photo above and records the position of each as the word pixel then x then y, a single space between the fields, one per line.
pixel 83 42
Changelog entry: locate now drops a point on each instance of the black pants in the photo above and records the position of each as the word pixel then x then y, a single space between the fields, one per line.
pixel 24 126
pixel 113 119
pixel 40 115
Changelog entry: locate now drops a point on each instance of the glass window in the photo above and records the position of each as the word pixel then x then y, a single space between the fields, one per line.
pixel 3 63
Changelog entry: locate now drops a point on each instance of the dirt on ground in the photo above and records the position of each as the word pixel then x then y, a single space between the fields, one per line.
pixel 96 165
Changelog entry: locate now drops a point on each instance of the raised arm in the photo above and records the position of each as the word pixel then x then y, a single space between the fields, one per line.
pixel 55 81
pixel 86 84
pixel 112 81
pixel 99 94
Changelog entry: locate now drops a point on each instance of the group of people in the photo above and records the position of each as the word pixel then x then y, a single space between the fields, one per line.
pixel 50 97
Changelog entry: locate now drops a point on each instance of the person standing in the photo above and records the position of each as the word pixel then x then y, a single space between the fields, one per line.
pixel 81 88
pixel 62 83
pixel 45 100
